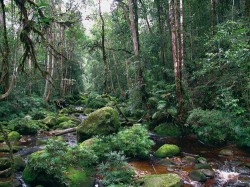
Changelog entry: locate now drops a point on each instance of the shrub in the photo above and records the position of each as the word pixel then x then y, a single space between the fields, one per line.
pixel 55 160
pixel 211 126
pixel 115 170
pixel 133 141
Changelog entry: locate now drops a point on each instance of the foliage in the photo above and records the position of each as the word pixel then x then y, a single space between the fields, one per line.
pixel 115 170
pixel 133 141
pixel 167 129
pixel 96 101
pixel 212 126
pixel 24 126
pixel 56 159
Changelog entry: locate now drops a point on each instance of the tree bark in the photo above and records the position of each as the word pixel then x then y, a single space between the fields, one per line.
pixel 247 8
pixel 104 56
pixel 177 52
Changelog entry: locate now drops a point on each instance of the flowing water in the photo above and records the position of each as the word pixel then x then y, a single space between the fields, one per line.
pixel 230 171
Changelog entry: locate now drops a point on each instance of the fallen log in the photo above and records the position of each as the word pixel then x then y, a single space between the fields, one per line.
pixel 61 132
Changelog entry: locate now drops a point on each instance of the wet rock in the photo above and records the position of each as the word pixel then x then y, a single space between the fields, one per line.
pixel 167 150
pixel 197 176
pixel 226 152
pixel 5 173
pixel 103 121
pixel 189 159
pixel 202 166
pixel 202 160
pixel 162 180
pixel 4 163
pixel 166 162
pixel 208 172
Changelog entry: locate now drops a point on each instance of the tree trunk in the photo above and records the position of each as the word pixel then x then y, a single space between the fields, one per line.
pixel 212 17
pixel 177 51
pixel 104 56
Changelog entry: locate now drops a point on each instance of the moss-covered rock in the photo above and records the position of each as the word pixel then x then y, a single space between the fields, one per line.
pixel 88 142
pixel 4 163
pixel 167 129
pixel 50 121
pixel 67 124
pixel 103 121
pixel 197 176
pixel 202 160
pixel 88 111
pixel 162 180
pixel 167 150
pixel 14 136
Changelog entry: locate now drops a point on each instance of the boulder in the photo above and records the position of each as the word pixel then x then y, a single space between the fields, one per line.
pixel 167 150
pixel 202 166
pixel 14 136
pixel 162 180
pixel 197 176
pixel 208 172
pixel 226 152
pixel 202 160
pixel 50 121
pixel 103 121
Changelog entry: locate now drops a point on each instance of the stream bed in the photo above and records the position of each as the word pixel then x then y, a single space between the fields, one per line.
pixel 230 171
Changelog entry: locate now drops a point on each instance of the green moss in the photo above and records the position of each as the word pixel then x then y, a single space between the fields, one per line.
pixel 67 124
pixel 197 176
pixel 167 150
pixel 88 111
pixel 162 180
pixel 50 121
pixel 103 121
pixel 14 136
pixel 166 129
pixel 78 177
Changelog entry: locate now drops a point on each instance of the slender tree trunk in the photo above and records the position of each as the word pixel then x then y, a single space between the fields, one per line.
pixel 104 56
pixel 177 52
pixel 212 17
pixel 117 76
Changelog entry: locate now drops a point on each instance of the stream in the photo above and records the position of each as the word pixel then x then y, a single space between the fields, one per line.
pixel 230 171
